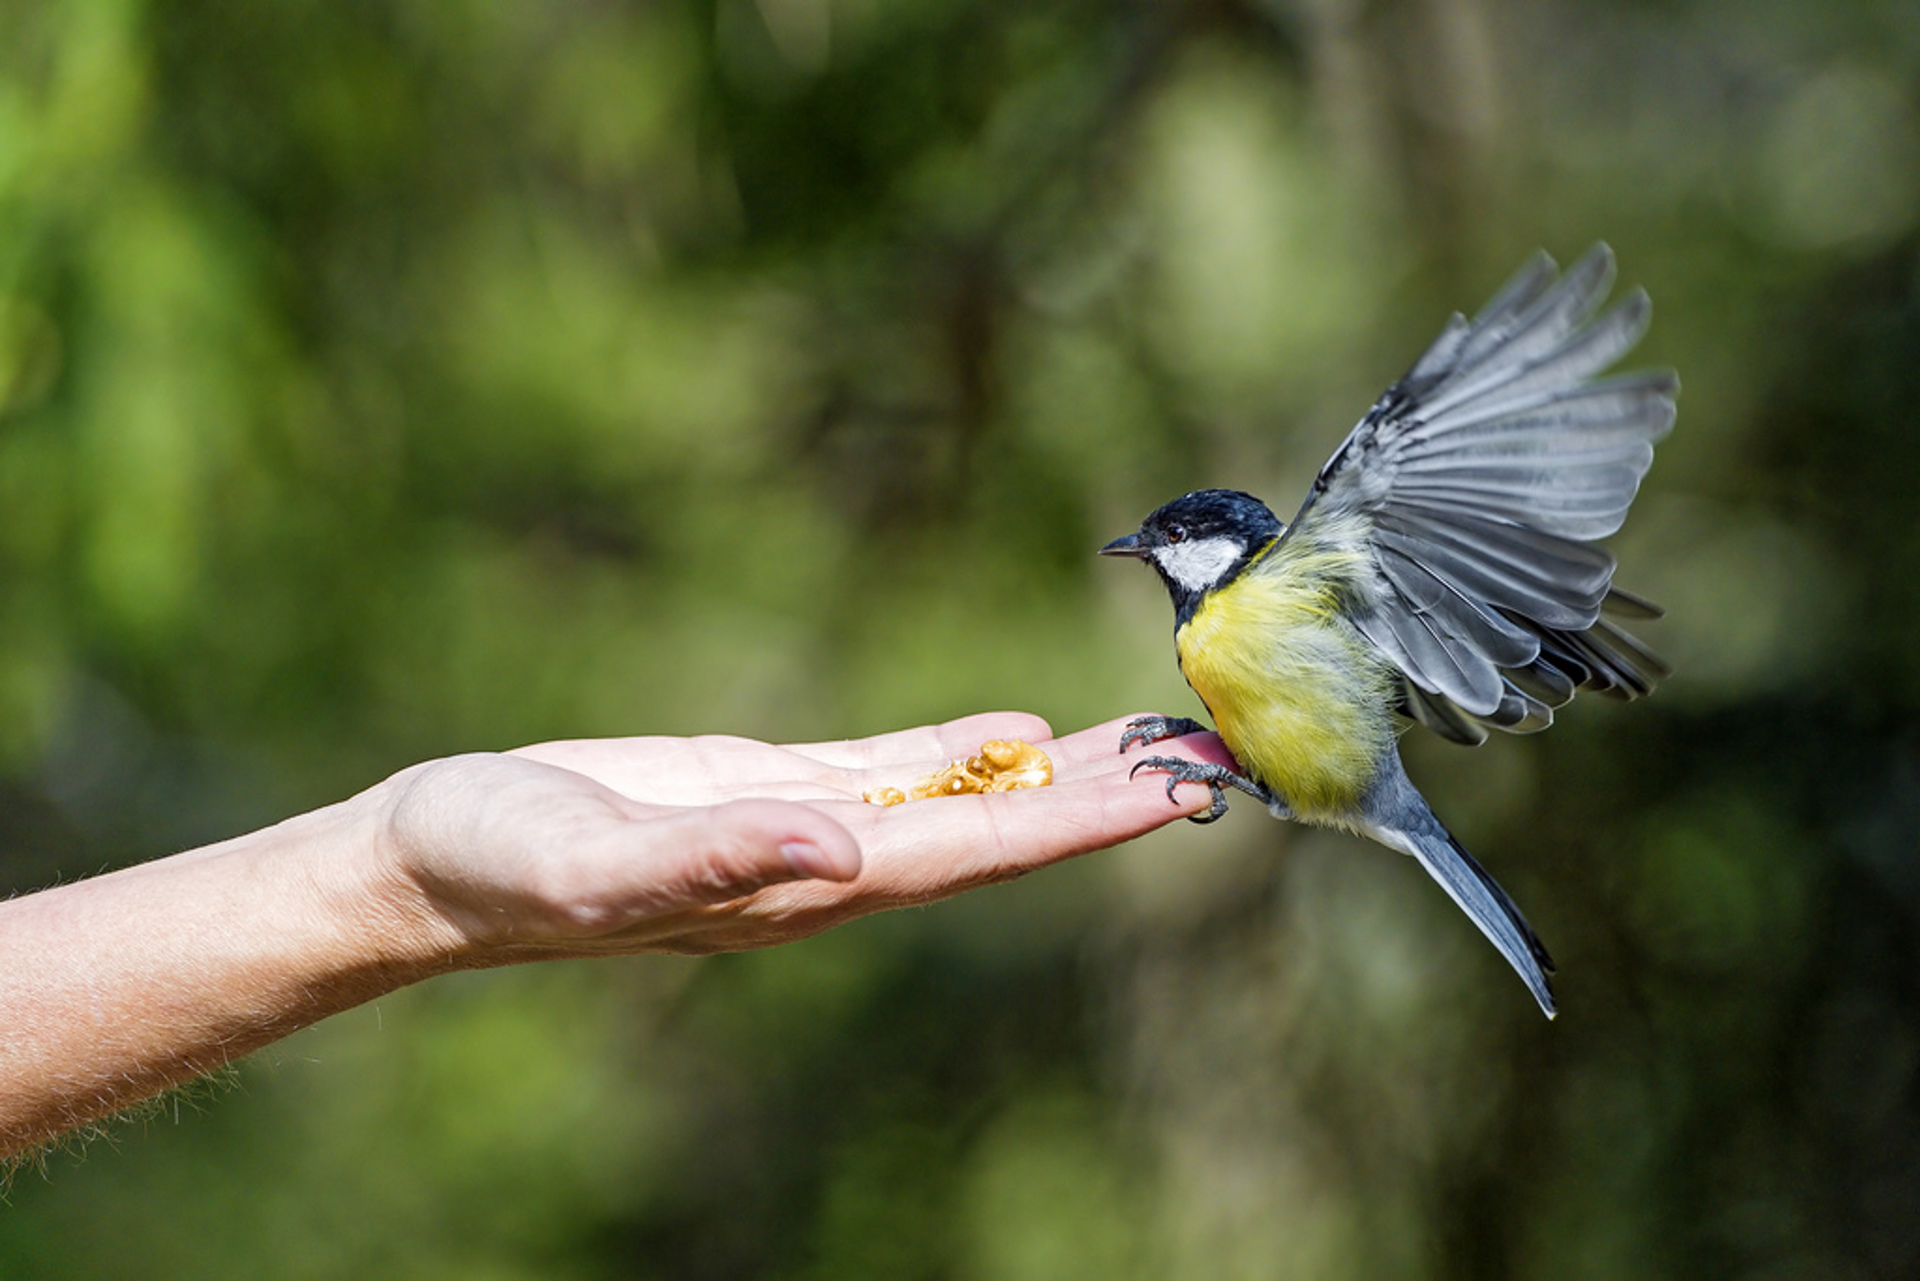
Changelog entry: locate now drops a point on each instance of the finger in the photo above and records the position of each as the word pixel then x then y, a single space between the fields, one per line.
pixel 927 744
pixel 1100 745
pixel 704 770
pixel 926 850
pixel 742 845
pixel 724 852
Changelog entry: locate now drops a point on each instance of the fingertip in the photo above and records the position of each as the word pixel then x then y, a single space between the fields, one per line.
pixel 1038 727
pixel 812 861
pixel 809 845
pixel 1099 744
pixel 1150 792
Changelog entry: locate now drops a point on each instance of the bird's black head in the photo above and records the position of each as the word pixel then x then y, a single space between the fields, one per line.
pixel 1200 542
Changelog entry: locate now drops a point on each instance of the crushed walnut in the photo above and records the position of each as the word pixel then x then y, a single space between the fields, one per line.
pixel 1003 765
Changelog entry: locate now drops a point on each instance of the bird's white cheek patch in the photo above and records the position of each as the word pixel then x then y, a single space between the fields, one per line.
pixel 1197 565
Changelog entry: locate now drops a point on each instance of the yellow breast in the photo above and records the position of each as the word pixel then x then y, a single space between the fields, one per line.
pixel 1299 696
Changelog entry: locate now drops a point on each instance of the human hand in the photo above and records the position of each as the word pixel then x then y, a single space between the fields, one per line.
pixel 118 986
pixel 598 847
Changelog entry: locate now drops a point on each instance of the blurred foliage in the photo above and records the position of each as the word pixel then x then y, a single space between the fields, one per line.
pixel 379 380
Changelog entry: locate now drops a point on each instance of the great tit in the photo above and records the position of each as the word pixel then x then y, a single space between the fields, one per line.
pixel 1442 570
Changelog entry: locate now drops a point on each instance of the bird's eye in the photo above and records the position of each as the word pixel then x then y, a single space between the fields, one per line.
pixel 1176 533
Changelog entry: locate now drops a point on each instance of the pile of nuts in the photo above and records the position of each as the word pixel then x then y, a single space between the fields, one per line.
pixel 1003 765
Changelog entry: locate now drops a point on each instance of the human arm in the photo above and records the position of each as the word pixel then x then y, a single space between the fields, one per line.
pixel 115 988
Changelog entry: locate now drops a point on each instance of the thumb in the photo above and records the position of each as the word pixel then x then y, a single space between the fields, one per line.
pixel 726 851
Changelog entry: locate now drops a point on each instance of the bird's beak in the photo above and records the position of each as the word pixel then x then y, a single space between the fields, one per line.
pixel 1128 546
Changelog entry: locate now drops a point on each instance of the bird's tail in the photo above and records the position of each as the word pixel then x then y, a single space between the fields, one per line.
pixel 1413 829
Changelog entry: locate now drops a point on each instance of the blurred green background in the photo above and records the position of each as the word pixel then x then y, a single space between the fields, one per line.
pixel 384 380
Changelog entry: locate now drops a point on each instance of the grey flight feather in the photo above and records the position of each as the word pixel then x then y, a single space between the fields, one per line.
pixel 1480 482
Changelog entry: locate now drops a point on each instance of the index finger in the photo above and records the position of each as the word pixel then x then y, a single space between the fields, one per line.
pixel 926 744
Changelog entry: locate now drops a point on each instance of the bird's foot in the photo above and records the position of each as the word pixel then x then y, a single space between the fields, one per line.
pixel 1152 729
pixel 1218 779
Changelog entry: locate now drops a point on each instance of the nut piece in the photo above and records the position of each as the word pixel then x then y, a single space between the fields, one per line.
pixel 1003 765
pixel 1008 765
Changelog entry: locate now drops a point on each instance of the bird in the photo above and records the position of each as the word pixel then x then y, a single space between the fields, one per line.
pixel 1444 570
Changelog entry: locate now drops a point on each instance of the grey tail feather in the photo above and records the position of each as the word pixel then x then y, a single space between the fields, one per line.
pixel 1482 899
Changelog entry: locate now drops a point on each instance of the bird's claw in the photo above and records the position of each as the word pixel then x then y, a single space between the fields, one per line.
pixel 1216 777
pixel 1152 729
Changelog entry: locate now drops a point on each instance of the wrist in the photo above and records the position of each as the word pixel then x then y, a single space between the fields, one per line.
pixel 395 930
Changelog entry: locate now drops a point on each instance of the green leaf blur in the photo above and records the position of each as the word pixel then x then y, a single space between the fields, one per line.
pixel 385 380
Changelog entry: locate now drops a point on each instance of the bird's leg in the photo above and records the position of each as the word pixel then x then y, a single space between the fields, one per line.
pixel 1218 778
pixel 1152 729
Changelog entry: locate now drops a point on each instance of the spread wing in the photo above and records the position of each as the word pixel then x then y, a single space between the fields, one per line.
pixel 1476 487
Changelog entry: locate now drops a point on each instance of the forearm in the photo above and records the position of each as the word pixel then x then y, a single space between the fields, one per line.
pixel 116 988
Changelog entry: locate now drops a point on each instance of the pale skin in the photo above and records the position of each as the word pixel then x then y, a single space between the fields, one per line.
pixel 117 988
